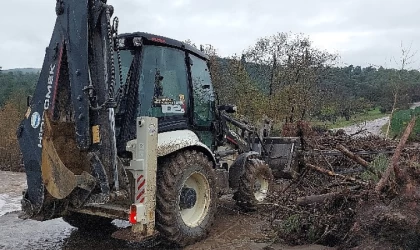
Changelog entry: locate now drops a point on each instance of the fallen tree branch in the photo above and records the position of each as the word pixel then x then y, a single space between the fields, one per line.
pixel 358 132
pixel 393 165
pixel 330 173
pixel 355 158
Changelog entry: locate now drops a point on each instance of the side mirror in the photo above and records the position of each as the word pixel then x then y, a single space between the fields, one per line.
pixel 229 108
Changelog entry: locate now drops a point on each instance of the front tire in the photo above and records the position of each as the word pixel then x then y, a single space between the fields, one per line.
pixel 186 197
pixel 254 184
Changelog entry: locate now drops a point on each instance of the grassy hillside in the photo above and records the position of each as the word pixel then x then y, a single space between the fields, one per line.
pixel 23 70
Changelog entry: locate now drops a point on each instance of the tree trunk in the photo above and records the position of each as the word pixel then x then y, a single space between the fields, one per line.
pixel 272 74
pixel 393 165
pixel 391 115
pixel 355 158
pixel 307 200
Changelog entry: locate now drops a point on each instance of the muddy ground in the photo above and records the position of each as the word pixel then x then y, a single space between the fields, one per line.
pixel 232 229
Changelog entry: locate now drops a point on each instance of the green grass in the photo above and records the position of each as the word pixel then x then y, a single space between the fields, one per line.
pixel 355 119
pixel 391 133
pixel 401 119
pixel 379 165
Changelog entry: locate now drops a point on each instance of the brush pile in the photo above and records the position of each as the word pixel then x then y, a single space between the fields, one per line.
pixel 353 193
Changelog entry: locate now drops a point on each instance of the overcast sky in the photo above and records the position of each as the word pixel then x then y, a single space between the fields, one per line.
pixel 363 32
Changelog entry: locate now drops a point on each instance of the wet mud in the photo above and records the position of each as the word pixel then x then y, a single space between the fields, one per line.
pixel 232 229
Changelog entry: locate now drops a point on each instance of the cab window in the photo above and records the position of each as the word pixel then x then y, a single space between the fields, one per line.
pixel 202 92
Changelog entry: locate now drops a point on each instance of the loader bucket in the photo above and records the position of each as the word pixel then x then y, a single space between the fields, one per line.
pixel 57 178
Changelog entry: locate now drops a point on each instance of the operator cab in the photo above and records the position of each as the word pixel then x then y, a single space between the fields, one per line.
pixel 167 79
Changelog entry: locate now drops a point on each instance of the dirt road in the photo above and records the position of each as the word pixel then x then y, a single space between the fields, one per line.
pixel 371 127
pixel 232 229
pixel 367 127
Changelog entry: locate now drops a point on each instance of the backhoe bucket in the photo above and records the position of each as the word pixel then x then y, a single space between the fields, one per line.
pixel 58 180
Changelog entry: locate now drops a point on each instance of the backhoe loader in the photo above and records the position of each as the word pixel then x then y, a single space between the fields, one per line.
pixel 126 126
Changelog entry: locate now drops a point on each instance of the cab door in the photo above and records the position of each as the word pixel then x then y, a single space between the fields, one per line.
pixel 203 99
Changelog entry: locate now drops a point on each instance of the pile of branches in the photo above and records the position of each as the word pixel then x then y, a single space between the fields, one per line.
pixel 315 208
pixel 332 151
pixel 352 193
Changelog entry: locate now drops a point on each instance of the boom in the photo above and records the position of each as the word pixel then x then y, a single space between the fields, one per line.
pixel 74 96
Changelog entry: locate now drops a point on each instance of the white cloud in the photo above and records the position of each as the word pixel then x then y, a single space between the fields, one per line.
pixel 180 3
pixel 343 41
pixel 362 31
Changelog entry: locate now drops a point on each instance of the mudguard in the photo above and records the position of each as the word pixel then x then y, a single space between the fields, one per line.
pixel 237 168
pixel 170 142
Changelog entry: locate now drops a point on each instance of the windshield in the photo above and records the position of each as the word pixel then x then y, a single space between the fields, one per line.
pixel 163 86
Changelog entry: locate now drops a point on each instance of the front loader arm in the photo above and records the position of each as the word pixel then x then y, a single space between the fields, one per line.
pixel 74 90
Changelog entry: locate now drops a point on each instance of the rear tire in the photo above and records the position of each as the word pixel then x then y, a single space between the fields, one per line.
pixel 186 197
pixel 87 222
pixel 254 184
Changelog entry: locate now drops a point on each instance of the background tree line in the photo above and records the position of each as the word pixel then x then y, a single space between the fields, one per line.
pixel 282 76
pixel 14 83
pixel 286 78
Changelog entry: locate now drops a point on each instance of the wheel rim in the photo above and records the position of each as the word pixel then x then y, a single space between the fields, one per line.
pixel 193 216
pixel 260 188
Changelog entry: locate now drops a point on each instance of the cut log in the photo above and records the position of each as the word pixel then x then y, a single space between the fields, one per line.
pixel 393 165
pixel 307 200
pixel 355 158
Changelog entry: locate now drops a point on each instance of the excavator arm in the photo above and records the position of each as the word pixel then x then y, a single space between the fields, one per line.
pixel 68 131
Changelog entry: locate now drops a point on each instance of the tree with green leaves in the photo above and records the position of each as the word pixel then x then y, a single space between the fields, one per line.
pixel 294 68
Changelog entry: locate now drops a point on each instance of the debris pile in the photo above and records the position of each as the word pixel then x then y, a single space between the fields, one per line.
pixel 352 192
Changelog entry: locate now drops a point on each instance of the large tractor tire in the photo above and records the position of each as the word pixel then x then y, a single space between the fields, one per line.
pixel 186 200
pixel 254 184
pixel 86 222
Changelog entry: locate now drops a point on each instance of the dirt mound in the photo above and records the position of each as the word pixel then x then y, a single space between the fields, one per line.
pixel 391 220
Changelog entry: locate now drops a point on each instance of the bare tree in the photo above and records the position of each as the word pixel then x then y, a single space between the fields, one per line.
pixel 406 59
